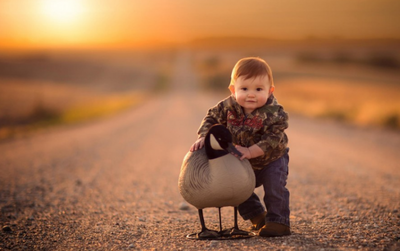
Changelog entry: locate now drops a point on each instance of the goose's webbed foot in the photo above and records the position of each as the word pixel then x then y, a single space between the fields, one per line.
pixel 232 233
pixel 208 234
pixel 236 232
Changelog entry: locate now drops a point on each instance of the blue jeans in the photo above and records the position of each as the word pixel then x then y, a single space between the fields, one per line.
pixel 273 177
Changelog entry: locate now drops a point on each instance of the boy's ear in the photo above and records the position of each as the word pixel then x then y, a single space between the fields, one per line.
pixel 271 89
pixel 232 89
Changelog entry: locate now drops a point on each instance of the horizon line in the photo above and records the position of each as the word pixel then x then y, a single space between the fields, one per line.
pixel 157 43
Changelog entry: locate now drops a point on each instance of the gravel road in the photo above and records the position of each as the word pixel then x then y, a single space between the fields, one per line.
pixel 112 184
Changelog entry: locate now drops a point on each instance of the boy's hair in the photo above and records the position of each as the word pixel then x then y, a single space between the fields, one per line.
pixel 250 67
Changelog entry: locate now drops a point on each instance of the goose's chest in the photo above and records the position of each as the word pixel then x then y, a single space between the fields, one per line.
pixel 228 172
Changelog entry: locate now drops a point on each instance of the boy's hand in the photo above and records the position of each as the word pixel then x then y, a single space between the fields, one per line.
pixel 245 152
pixel 197 145
pixel 250 152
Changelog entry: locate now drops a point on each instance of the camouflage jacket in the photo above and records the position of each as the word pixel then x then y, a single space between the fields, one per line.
pixel 265 127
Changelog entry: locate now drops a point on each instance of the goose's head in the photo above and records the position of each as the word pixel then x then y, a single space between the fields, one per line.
pixel 218 142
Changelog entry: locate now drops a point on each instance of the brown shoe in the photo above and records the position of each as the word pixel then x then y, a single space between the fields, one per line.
pixel 258 221
pixel 273 229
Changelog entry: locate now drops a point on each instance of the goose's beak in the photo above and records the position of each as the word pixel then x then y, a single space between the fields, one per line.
pixel 232 149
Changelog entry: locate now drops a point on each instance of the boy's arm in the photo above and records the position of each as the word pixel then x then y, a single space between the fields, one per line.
pixel 215 115
pixel 275 137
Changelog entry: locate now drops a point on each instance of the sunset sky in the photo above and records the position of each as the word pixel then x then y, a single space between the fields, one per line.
pixel 105 23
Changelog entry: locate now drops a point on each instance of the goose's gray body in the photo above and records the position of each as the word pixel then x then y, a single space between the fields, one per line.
pixel 219 182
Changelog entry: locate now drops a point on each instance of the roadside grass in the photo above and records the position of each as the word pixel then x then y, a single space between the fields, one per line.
pixel 44 116
pixel 99 108
pixel 360 103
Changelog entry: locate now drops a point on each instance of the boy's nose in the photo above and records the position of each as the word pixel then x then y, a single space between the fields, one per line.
pixel 250 94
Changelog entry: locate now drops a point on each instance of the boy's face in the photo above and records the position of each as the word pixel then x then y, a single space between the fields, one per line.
pixel 252 93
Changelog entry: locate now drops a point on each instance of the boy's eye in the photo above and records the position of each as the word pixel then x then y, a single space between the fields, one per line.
pixel 244 89
pixel 259 89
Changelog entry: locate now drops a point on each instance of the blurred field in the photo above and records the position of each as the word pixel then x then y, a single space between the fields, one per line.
pixel 43 89
pixel 362 103
pixel 354 82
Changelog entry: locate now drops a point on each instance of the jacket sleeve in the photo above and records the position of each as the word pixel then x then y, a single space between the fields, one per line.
pixel 215 115
pixel 274 138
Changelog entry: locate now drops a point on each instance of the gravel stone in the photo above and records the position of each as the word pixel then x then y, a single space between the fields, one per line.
pixel 184 206
pixel 7 229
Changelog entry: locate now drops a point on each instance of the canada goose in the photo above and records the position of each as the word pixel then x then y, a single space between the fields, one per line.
pixel 211 177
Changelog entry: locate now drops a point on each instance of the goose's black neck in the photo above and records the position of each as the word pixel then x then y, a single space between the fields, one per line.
pixel 211 153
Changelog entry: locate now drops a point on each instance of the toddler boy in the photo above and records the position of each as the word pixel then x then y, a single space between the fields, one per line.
pixel 257 123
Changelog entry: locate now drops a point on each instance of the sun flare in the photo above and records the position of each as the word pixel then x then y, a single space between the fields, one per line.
pixel 62 11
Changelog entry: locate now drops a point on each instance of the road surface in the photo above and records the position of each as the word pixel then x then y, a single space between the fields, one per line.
pixel 112 184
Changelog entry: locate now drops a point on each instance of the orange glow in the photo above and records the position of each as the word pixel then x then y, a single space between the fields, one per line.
pixel 90 23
